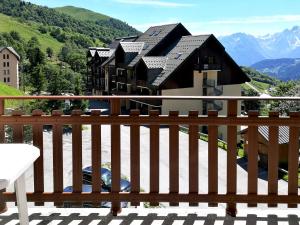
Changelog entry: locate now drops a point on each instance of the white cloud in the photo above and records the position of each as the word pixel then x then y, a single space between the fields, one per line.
pixel 155 3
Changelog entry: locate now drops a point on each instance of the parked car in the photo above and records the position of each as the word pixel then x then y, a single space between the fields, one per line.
pixel 125 185
pixel 88 188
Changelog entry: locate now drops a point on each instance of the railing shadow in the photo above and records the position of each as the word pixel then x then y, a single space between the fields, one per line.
pixel 151 218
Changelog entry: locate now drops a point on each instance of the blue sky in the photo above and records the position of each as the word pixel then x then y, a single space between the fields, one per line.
pixel 220 17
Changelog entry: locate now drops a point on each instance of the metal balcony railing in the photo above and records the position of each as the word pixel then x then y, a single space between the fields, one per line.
pixel 173 120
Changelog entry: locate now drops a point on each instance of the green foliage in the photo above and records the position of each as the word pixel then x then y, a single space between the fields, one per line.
pixel 49 52
pixel 260 77
pixel 105 30
pixel 6 90
pixel 38 79
pixel 26 31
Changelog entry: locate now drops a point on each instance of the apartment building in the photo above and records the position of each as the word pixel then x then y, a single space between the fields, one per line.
pixel 9 66
pixel 168 60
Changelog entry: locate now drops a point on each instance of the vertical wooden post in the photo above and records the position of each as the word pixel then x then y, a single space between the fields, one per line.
pixel 252 158
pixel 57 155
pixel 17 128
pixel 37 131
pixel 115 155
pixel 193 157
pixel 273 151
pixel 231 156
pixel 3 207
pixel 293 158
pixel 96 155
pixel 135 155
pixel 77 153
pixel 154 157
pixel 2 130
pixel 212 158
pixel 174 156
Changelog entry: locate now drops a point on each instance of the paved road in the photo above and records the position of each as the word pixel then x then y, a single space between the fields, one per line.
pixel 164 161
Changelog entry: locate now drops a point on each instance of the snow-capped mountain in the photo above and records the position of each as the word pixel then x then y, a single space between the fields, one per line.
pixel 247 49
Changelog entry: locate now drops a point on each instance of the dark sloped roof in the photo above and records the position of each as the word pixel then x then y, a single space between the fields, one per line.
pixel 283 131
pixel 12 50
pixel 154 62
pixel 115 43
pixel 105 53
pixel 152 37
pixel 132 46
pixel 184 48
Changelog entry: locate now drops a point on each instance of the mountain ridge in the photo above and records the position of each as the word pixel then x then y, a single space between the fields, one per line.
pixel 247 49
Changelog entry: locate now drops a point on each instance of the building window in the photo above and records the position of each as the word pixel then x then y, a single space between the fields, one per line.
pixel 4 64
pixel 7 64
pixel 4 79
pixel 4 72
pixel 8 79
pixel 3 56
pixel 211 60
pixel 7 56
pixel 7 72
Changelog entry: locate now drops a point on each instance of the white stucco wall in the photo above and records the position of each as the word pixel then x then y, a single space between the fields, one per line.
pixel 184 106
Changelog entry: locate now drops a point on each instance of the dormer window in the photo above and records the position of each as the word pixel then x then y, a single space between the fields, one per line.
pixel 178 55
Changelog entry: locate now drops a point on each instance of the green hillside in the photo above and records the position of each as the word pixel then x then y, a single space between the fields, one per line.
pixel 8 24
pixel 6 90
pixel 82 14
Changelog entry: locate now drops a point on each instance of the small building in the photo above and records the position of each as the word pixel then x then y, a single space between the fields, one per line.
pixel 9 66
pixel 263 143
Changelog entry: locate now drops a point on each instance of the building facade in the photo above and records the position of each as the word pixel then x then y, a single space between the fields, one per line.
pixel 9 66
pixel 168 60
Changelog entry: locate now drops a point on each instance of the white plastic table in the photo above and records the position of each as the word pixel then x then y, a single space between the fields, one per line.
pixel 15 159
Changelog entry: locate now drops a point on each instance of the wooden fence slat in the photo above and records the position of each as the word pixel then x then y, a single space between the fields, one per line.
pixel 193 156
pixel 231 156
pixel 212 158
pixel 77 153
pixel 135 156
pixel 17 128
pixel 37 136
pixel 154 156
pixel 96 154
pixel 2 130
pixel 174 156
pixel 57 156
pixel 293 160
pixel 273 157
pixel 2 140
pixel 252 157
pixel 115 155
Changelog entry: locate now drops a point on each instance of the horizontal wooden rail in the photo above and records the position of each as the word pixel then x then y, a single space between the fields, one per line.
pixel 157 197
pixel 146 120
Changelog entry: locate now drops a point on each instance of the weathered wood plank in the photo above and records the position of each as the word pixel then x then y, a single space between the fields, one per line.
pixel 37 135
pixel 252 157
pixel 135 156
pixel 77 153
pixel 212 158
pixel 57 156
pixel 231 156
pixel 174 156
pixel 293 159
pixel 154 157
pixel 273 156
pixel 193 156
pixel 115 155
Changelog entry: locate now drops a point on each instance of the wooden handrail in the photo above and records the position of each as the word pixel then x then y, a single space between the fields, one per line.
pixel 135 120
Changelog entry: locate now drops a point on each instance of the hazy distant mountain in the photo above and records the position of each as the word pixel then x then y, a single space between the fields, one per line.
pixel 247 49
pixel 283 69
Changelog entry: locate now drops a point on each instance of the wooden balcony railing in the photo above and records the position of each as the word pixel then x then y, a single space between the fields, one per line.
pixel 153 121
